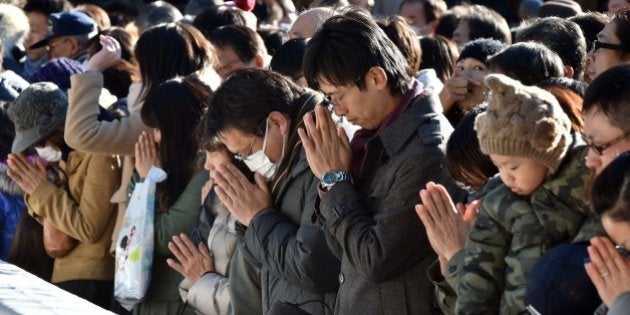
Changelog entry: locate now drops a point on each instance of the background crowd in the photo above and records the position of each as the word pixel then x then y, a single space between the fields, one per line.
pixel 323 156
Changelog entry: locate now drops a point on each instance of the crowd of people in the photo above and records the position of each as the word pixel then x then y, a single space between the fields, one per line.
pixel 323 156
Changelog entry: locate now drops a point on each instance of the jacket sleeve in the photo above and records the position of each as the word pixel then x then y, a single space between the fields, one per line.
pixel 504 243
pixel 298 254
pixel 181 217
pixel 383 240
pixel 85 219
pixel 209 295
pixel 83 130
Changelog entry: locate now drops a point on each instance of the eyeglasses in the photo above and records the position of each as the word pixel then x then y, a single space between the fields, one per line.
pixel 50 46
pixel 622 251
pixel 334 101
pixel 600 148
pixel 597 45
pixel 241 157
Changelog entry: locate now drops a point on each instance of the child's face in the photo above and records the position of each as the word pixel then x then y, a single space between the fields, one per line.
pixel 215 158
pixel 521 174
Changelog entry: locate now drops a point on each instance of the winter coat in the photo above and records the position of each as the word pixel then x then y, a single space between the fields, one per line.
pixel 12 208
pixel 283 246
pixel 83 212
pixel 371 223
pixel 210 293
pixel 511 232
pixel 162 297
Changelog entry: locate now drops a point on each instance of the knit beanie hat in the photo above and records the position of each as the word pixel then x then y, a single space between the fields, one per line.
pixel 37 113
pixel 523 121
pixel 58 71
pixel 481 49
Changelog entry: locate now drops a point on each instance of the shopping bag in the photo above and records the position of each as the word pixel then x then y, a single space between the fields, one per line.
pixel 134 250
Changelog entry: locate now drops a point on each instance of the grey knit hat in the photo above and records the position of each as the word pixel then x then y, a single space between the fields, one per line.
pixel 37 113
pixel 524 121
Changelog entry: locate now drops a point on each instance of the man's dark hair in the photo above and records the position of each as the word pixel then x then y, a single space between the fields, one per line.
pixel 610 93
pixel 622 31
pixel 560 35
pixel 231 105
pixel 484 22
pixel 273 39
pixel 216 16
pixel 405 39
pixel 448 21
pixel 528 62
pixel 46 7
pixel 433 9
pixel 610 194
pixel 288 59
pixel 245 42
pixel 346 47
pixel 591 23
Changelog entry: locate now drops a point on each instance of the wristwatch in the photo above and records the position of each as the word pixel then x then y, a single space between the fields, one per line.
pixel 331 178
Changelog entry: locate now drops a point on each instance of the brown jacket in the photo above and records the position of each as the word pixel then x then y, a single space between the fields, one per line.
pixel 84 213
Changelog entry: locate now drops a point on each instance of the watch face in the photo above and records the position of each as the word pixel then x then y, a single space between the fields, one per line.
pixel 329 177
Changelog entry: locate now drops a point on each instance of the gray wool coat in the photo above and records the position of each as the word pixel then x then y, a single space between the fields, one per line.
pixel 371 224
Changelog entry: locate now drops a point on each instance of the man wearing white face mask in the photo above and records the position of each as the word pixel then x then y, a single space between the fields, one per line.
pixel 282 255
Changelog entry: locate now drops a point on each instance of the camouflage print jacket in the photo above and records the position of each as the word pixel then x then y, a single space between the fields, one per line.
pixel 511 232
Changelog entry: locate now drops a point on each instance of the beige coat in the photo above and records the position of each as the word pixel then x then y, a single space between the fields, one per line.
pixel 84 132
pixel 84 213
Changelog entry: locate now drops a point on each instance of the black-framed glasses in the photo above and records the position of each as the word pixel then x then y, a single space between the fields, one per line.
pixel 600 148
pixel 597 45
pixel 622 251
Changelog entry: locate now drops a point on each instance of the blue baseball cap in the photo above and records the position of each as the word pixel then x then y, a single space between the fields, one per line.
pixel 68 24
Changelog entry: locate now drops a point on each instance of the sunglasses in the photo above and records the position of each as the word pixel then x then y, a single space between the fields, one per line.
pixel 597 45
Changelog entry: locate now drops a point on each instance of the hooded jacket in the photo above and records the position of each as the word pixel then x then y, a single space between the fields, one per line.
pixel 511 232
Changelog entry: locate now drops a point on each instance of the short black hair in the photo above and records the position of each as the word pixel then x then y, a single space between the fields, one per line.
pixel 347 46
pixel 448 21
pixel 484 22
pixel 433 9
pixel 245 99
pixel 560 35
pixel 610 194
pixel 156 13
pixel 528 62
pixel 216 16
pixel 622 31
pixel 610 93
pixel 288 59
pixel 245 42
pixel 46 7
pixel 591 23
pixel 273 39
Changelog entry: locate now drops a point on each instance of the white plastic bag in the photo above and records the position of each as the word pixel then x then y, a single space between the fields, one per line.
pixel 134 251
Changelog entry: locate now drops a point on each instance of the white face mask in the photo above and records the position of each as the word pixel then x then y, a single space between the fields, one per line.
pixel 259 162
pixel 49 154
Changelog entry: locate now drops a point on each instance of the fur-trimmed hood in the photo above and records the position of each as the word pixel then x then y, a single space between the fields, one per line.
pixel 7 185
